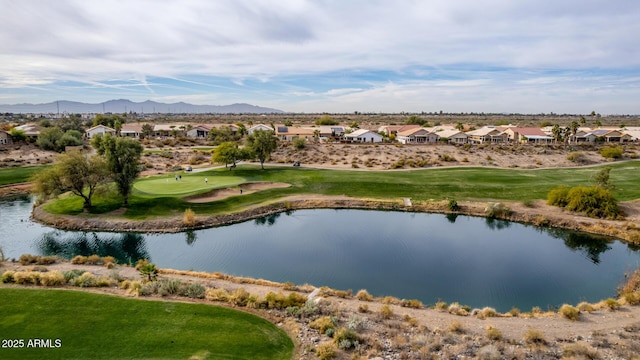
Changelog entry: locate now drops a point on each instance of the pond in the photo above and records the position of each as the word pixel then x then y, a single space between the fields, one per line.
pixel 430 257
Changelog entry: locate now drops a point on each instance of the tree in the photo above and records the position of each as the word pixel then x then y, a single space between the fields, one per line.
pixel 147 131
pixel 261 144
pixel 574 129
pixel 149 271
pixel 122 156
pixel 557 132
pixel 17 135
pixel 74 172
pixel 602 178
pixel 48 138
pixel 227 153
pixel 326 120
pixel 460 126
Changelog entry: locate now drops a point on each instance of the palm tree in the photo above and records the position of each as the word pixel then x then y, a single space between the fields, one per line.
pixel 557 133
pixel 574 128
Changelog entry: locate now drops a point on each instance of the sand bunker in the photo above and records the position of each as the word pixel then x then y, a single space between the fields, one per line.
pixel 247 188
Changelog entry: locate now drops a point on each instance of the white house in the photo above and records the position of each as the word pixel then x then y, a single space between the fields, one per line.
pixel 363 136
pixel 199 131
pixel 262 127
pixel 99 129
pixel 5 137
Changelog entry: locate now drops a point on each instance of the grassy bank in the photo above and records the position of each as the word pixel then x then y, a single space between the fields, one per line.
pixel 92 326
pixel 419 185
pixel 16 175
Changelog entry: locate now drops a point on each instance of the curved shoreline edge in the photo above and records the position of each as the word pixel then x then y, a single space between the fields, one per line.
pixel 539 214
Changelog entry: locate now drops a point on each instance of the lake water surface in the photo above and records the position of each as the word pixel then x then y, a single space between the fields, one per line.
pixel 431 257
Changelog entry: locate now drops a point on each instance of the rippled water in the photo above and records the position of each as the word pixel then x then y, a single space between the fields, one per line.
pixel 430 257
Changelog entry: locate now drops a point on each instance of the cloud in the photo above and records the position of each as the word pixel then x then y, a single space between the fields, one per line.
pixel 266 50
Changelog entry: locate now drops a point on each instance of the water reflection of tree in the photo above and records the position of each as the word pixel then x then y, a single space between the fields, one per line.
pixel 452 218
pixel 496 224
pixel 125 247
pixel 591 245
pixel 268 220
pixel 190 237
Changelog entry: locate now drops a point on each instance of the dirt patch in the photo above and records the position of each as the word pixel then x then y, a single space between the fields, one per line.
pixel 242 189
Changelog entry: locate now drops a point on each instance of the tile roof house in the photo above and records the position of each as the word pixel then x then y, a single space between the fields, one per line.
pixel 394 129
pixel 99 129
pixel 528 135
pixel 257 127
pixel 417 136
pixel 487 134
pixel 287 133
pixel 453 136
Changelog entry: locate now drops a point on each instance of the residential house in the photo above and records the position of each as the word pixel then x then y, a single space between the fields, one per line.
pixel 453 136
pixel 99 129
pixel 5 138
pixel 530 135
pixel 417 136
pixel 30 130
pixel 288 133
pixel 633 132
pixel 331 131
pixel 394 129
pixel 363 136
pixel 199 131
pixel 167 130
pixel 234 128
pixel 131 130
pixel 612 135
pixel 487 134
pixel 585 136
pixel 262 127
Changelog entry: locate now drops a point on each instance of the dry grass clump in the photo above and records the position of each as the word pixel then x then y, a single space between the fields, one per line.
pixel 533 336
pixel 189 217
pixel 326 351
pixel 457 309
pixel 630 291
pixel 493 333
pixel 413 303
pixel 53 278
pixel 456 327
pixel 569 312
pixel 28 259
pixel 322 324
pixel 585 307
pixel 441 306
pixel 363 295
pixel 487 312
pixel 580 351
pixel 386 312
pixel 608 304
pixel 93 260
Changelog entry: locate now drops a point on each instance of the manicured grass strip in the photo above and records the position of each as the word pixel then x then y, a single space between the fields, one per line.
pixel 94 326
pixel 419 185
pixel 187 184
pixel 16 175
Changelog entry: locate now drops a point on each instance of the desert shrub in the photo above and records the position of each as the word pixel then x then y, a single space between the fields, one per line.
pixel 7 277
pixel 456 327
pixel 441 305
pixel 585 307
pixel 299 143
pixel 489 352
pixel 141 262
pixel 345 338
pixel 391 300
pixel 53 278
pixel 593 201
pixel 357 323
pixel 87 279
pixel 386 311
pixel 577 157
pixel 457 309
pixel 326 351
pixel 453 205
pixel 493 333
pixel 487 312
pixel 569 312
pixel 630 291
pixel 192 290
pixel 413 303
pixel 168 287
pixel 280 301
pixel 239 297
pixel 217 295
pixel 148 271
pixel 580 351
pixel 558 196
pixel 612 152
pixel 28 259
pixel 133 287
pixel 494 210
pixel 189 217
pixel 79 260
pixel 363 308
pixel 610 304
pixel 72 274
pixel 515 312
pixel 322 324
pixel 533 336
pixel 363 295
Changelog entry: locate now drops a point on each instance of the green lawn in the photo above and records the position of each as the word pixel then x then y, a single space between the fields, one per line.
pixel 162 197
pixel 17 175
pixel 93 326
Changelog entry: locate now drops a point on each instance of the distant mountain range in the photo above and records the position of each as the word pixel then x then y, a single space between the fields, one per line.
pixel 122 106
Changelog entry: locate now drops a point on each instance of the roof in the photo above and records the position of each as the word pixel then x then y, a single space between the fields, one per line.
pixel 131 127
pixel 398 128
pixel 100 127
pixel 528 131
pixel 361 132
pixel 168 127
pixel 412 132
pixel 485 130
pixel 451 133
pixel 293 130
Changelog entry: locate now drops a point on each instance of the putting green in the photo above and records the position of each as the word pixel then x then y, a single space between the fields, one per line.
pixel 189 184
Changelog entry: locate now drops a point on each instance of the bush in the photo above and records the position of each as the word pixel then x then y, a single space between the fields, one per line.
pixel 453 205
pixel 612 152
pixel 299 143
pixel 53 278
pixel 7 277
pixel 326 351
pixel 493 333
pixel 569 312
pixel 593 201
pixel 27 259
pixel 189 217
pixel 413 303
pixel 580 351
pixel 494 210
pixel 322 324
pixel 386 312
pixel 577 157
pixel 72 274
pixel 363 295
pixel 87 279
pixel 345 338
pixel 534 337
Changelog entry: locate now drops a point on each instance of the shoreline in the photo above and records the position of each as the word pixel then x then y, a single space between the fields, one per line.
pixel 537 213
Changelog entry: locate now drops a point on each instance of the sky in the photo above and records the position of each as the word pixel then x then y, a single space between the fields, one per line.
pixel 335 56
